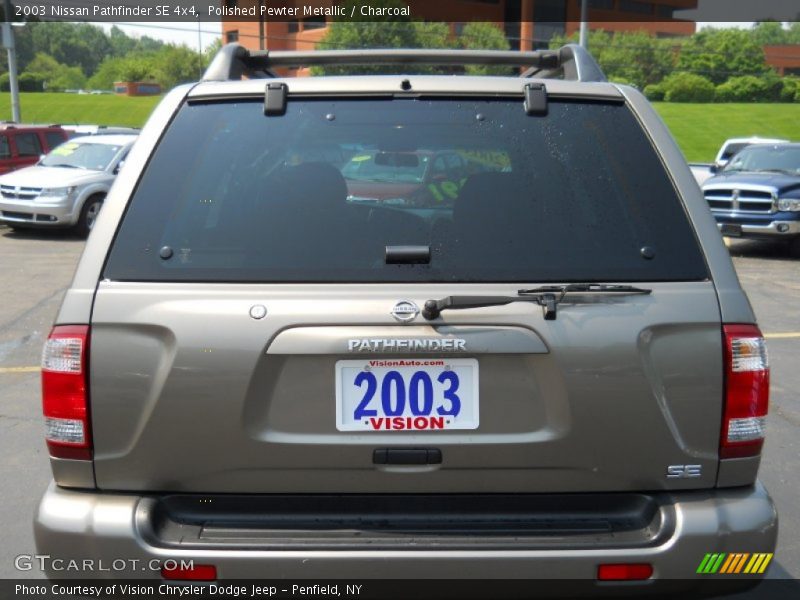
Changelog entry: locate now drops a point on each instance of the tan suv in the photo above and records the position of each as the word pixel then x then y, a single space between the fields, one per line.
pixel 553 376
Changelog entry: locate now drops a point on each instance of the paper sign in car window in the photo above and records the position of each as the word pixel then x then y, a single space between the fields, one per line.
pixel 65 149
pixel 491 159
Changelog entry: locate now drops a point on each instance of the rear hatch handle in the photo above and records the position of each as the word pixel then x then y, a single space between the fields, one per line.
pixel 548 297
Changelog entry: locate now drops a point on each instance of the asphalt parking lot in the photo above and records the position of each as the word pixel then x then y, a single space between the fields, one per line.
pixel 37 267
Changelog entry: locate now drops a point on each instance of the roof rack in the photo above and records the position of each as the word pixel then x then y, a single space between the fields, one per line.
pixel 571 62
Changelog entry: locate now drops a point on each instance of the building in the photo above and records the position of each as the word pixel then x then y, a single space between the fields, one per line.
pixel 784 58
pixel 528 24
pixel 137 88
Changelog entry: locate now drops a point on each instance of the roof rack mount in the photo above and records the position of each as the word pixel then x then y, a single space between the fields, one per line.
pixel 570 62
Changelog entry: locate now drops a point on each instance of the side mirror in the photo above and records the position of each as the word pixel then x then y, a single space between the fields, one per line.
pixel 715 168
pixel 119 166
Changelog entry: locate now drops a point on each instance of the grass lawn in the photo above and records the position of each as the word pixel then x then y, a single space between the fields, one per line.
pixel 69 109
pixel 700 129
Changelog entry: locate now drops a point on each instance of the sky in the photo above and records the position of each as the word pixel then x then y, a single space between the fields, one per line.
pixel 172 32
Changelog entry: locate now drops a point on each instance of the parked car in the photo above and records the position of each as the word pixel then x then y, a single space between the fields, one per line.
pixel 422 178
pixel 557 376
pixel 67 187
pixel 704 171
pixel 757 195
pixel 23 145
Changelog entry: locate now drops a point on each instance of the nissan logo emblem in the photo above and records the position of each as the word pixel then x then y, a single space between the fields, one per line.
pixel 405 311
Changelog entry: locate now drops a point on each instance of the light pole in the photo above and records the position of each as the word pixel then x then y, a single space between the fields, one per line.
pixel 261 44
pixel 200 47
pixel 583 40
pixel 8 42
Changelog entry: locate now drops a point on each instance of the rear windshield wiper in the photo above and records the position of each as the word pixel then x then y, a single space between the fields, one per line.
pixel 547 297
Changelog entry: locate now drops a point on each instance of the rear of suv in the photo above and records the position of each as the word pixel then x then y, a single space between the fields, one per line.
pixel 546 369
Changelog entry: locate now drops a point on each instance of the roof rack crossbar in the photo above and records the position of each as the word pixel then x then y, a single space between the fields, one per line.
pixel 571 62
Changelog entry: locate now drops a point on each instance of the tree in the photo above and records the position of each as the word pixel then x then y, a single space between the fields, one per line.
pixel 107 73
pixel 54 75
pixel 392 32
pixel 483 36
pixel 769 32
pixel 793 33
pixel 746 88
pixel 44 64
pixel 135 67
pixel 168 66
pixel 655 92
pixel 211 51
pixel 77 44
pixel 73 44
pixel 636 57
pixel 173 65
pixel 138 67
pixel 719 53
pixel 789 89
pixel 687 87
pixel 148 44
pixel 120 43
pixel 431 34
pixel 70 78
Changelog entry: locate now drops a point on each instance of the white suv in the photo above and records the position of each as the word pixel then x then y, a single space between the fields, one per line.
pixel 67 187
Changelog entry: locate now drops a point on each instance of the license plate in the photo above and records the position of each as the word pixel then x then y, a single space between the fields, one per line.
pixel 406 394
pixel 731 229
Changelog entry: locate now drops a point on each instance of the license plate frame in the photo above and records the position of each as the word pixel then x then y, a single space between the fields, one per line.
pixel 464 373
pixel 731 229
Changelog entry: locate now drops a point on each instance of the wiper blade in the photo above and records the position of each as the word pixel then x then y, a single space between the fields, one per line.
pixel 594 288
pixel 63 166
pixel 547 297
pixel 784 171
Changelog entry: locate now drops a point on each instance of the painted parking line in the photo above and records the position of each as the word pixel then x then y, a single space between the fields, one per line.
pixel 19 370
pixel 782 336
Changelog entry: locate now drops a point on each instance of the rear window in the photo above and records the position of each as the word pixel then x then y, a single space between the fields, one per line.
pixel 317 195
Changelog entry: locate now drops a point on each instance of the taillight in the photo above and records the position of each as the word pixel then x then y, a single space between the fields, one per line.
pixel 746 391
pixel 65 401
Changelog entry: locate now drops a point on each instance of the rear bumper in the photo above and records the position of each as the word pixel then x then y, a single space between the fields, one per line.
pixel 118 527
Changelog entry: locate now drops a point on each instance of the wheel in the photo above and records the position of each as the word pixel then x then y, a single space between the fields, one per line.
pixel 91 208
